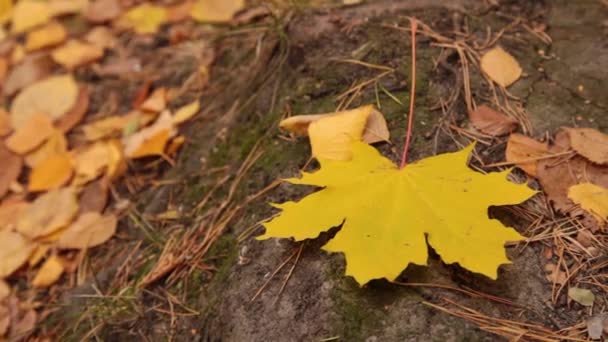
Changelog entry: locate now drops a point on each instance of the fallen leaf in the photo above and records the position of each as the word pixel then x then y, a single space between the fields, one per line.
pixel 26 324
pixel 5 123
pixel 492 122
pixel 556 275
pixel 585 238
pixel 54 96
pixel 55 144
pixel 117 165
pixel 90 162
pixel 76 113
pixel 5 320
pixel 50 34
pixel 5 290
pixel 144 18
pixel 51 173
pixel 368 195
pixel 216 11
pixel 10 212
pixel 592 198
pixel 31 134
pixel 6 11
pixel 589 143
pixel 14 252
pixel 157 102
pixel 597 325
pixel 102 37
pixel 49 273
pixel 581 296
pixel 30 70
pixel 186 112
pixel 38 254
pixel 152 146
pixel 110 126
pixel 28 14
pixel 100 11
pixel 175 144
pixel 523 151
pixel 89 230
pixel 11 168
pixel 75 53
pixel 500 66
pixel 64 7
pixel 151 140
pixel 50 212
pixel 179 12
pixel 331 137
pixel 94 196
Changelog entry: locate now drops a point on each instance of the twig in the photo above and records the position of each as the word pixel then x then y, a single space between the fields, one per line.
pixel 408 135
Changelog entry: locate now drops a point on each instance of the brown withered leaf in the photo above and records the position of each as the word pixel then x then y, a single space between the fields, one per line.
pixel 156 102
pixel 102 37
pixel 10 212
pixel 14 251
pixel 492 122
pixel 48 213
pixel 33 68
pixel 523 150
pixel 94 196
pixel 589 143
pixel 76 114
pixel 100 11
pixel 31 134
pixel 75 53
pixel 89 230
pixel 5 123
pixel 11 168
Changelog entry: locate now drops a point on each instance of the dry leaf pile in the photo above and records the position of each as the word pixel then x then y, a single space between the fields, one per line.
pixel 58 165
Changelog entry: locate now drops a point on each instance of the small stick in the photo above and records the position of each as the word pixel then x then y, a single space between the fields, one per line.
pixel 408 135
pixel 293 267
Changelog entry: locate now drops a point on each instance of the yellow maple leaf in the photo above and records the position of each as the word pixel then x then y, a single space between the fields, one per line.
pixel 592 198
pixel 386 212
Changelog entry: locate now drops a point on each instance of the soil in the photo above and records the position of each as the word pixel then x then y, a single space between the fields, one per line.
pixel 291 66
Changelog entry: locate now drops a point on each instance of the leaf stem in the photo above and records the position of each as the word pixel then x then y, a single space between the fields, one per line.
pixel 408 135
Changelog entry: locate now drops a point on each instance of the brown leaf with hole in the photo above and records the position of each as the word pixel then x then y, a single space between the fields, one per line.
pixel 49 272
pixel 100 11
pixel 76 113
pixel 11 168
pixel 89 230
pixel 589 143
pixel 54 96
pixel 14 252
pixel 75 53
pixel 55 144
pixel 30 70
pixel 522 151
pixel 492 122
pixel 51 173
pixel 94 196
pixel 31 134
pixel 5 123
pixel 10 213
pixel 50 212
pixel 500 66
pixel 48 35
pixel 90 162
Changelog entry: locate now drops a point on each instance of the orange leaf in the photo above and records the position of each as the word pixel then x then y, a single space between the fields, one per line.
pixel 34 132
pixel 50 34
pixel 75 53
pixel 49 273
pixel 154 146
pixel 51 173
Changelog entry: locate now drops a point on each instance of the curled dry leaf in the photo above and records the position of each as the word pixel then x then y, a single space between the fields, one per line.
pixel 31 134
pixel 523 151
pixel 51 173
pixel 589 143
pixel 89 230
pixel 10 212
pixel 14 252
pixel 76 114
pixel 49 273
pixel 500 66
pixel 145 18
pixel 75 53
pixel 156 102
pixel 11 168
pixel 186 112
pixel 216 11
pixel 28 14
pixel 492 122
pixel 94 196
pixel 592 198
pixel 50 34
pixel 54 96
pixel 55 144
pixel 100 11
pixel 30 70
pixel 48 213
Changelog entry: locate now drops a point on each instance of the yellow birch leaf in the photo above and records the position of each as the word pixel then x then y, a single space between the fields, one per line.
pixel 55 144
pixel 31 134
pixel 89 230
pixel 145 18
pixel 51 173
pixel 48 213
pixel 50 34
pixel 49 273
pixel 54 96
pixel 592 198
pixel 28 14
pixel 216 11
pixel 387 212
pixel 500 66
pixel 14 252
pixel 6 10
pixel 186 112
pixel 75 53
